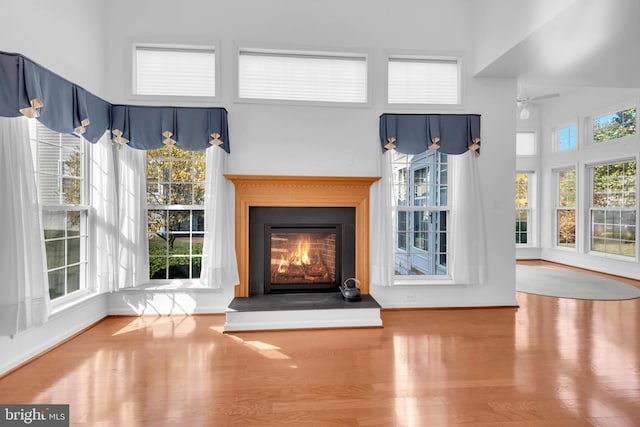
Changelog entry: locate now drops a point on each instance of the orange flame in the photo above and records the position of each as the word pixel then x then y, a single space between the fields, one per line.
pixel 301 255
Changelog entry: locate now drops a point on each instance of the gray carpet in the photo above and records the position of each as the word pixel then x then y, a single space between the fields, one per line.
pixel 571 284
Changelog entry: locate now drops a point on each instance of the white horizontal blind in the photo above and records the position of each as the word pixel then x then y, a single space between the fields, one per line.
pixel 422 81
pixel 302 77
pixel 175 71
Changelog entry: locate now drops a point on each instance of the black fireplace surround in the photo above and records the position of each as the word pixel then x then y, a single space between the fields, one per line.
pixel 326 224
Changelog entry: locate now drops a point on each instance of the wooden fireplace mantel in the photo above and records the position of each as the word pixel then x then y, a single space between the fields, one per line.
pixel 308 191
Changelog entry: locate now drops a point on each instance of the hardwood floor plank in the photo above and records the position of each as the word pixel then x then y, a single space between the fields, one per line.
pixel 549 362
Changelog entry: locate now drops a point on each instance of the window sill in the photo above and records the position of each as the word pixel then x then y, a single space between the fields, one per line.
pixel 445 280
pixel 172 285
pixel 66 302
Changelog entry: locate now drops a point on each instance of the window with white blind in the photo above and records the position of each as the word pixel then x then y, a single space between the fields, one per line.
pixel 174 71
pixel 525 143
pixel 419 80
pixel 302 76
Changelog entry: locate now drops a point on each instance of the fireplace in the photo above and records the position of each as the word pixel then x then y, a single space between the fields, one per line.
pixel 253 191
pixel 300 249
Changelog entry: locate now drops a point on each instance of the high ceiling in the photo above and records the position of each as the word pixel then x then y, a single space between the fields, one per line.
pixel 592 43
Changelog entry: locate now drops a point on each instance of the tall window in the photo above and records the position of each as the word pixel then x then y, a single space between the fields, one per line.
pixel 614 125
pixel 614 208
pixel 419 80
pixel 302 76
pixel 60 169
pixel 175 208
pixel 174 71
pixel 422 210
pixel 566 208
pixel 523 209
pixel 567 137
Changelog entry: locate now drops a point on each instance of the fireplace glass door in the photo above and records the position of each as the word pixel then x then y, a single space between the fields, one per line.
pixel 301 259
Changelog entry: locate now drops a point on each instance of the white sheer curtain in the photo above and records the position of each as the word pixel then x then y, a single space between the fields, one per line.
pixel 24 287
pixel 468 258
pixel 104 216
pixel 133 243
pixel 219 264
pixel 382 218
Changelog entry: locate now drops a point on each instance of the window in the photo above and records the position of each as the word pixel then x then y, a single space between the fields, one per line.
pixel 614 125
pixel 523 208
pixel 567 138
pixel 566 208
pixel 613 208
pixel 422 211
pixel 60 169
pixel 302 76
pixel 175 209
pixel 174 71
pixel 419 80
pixel 525 143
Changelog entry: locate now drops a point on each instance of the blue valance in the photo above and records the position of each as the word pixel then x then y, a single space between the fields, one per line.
pixel 416 133
pixel 28 89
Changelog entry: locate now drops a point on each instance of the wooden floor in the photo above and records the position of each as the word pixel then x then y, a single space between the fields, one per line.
pixel 550 362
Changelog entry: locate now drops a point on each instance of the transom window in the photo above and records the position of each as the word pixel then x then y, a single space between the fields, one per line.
pixel 614 125
pixel 525 143
pixel 422 212
pixel 175 209
pixel 614 208
pixel 60 169
pixel 567 137
pixel 566 208
pixel 420 80
pixel 302 76
pixel 174 71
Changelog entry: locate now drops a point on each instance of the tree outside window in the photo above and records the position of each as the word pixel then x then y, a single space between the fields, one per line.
pixel 175 199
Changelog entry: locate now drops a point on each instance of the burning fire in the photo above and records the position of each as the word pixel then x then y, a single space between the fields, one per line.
pixel 299 256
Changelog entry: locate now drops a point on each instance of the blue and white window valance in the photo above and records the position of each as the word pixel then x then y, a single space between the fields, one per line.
pixel 29 89
pixel 416 133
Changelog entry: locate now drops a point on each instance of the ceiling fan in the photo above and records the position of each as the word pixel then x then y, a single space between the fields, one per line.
pixel 525 101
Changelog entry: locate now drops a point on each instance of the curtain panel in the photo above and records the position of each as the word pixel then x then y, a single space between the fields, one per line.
pixel 28 89
pixel 24 287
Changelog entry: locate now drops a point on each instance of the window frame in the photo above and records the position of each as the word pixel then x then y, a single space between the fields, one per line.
pixel 590 209
pixel 529 209
pixel 558 208
pixel 613 109
pixel 51 208
pixel 423 279
pixel 412 55
pixel 167 208
pixel 275 50
pixel 557 140
pixel 208 46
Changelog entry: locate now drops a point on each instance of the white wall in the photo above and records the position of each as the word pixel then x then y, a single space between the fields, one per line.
pixel 502 24
pixel 576 104
pixel 314 140
pixel 65 36
pixel 90 44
